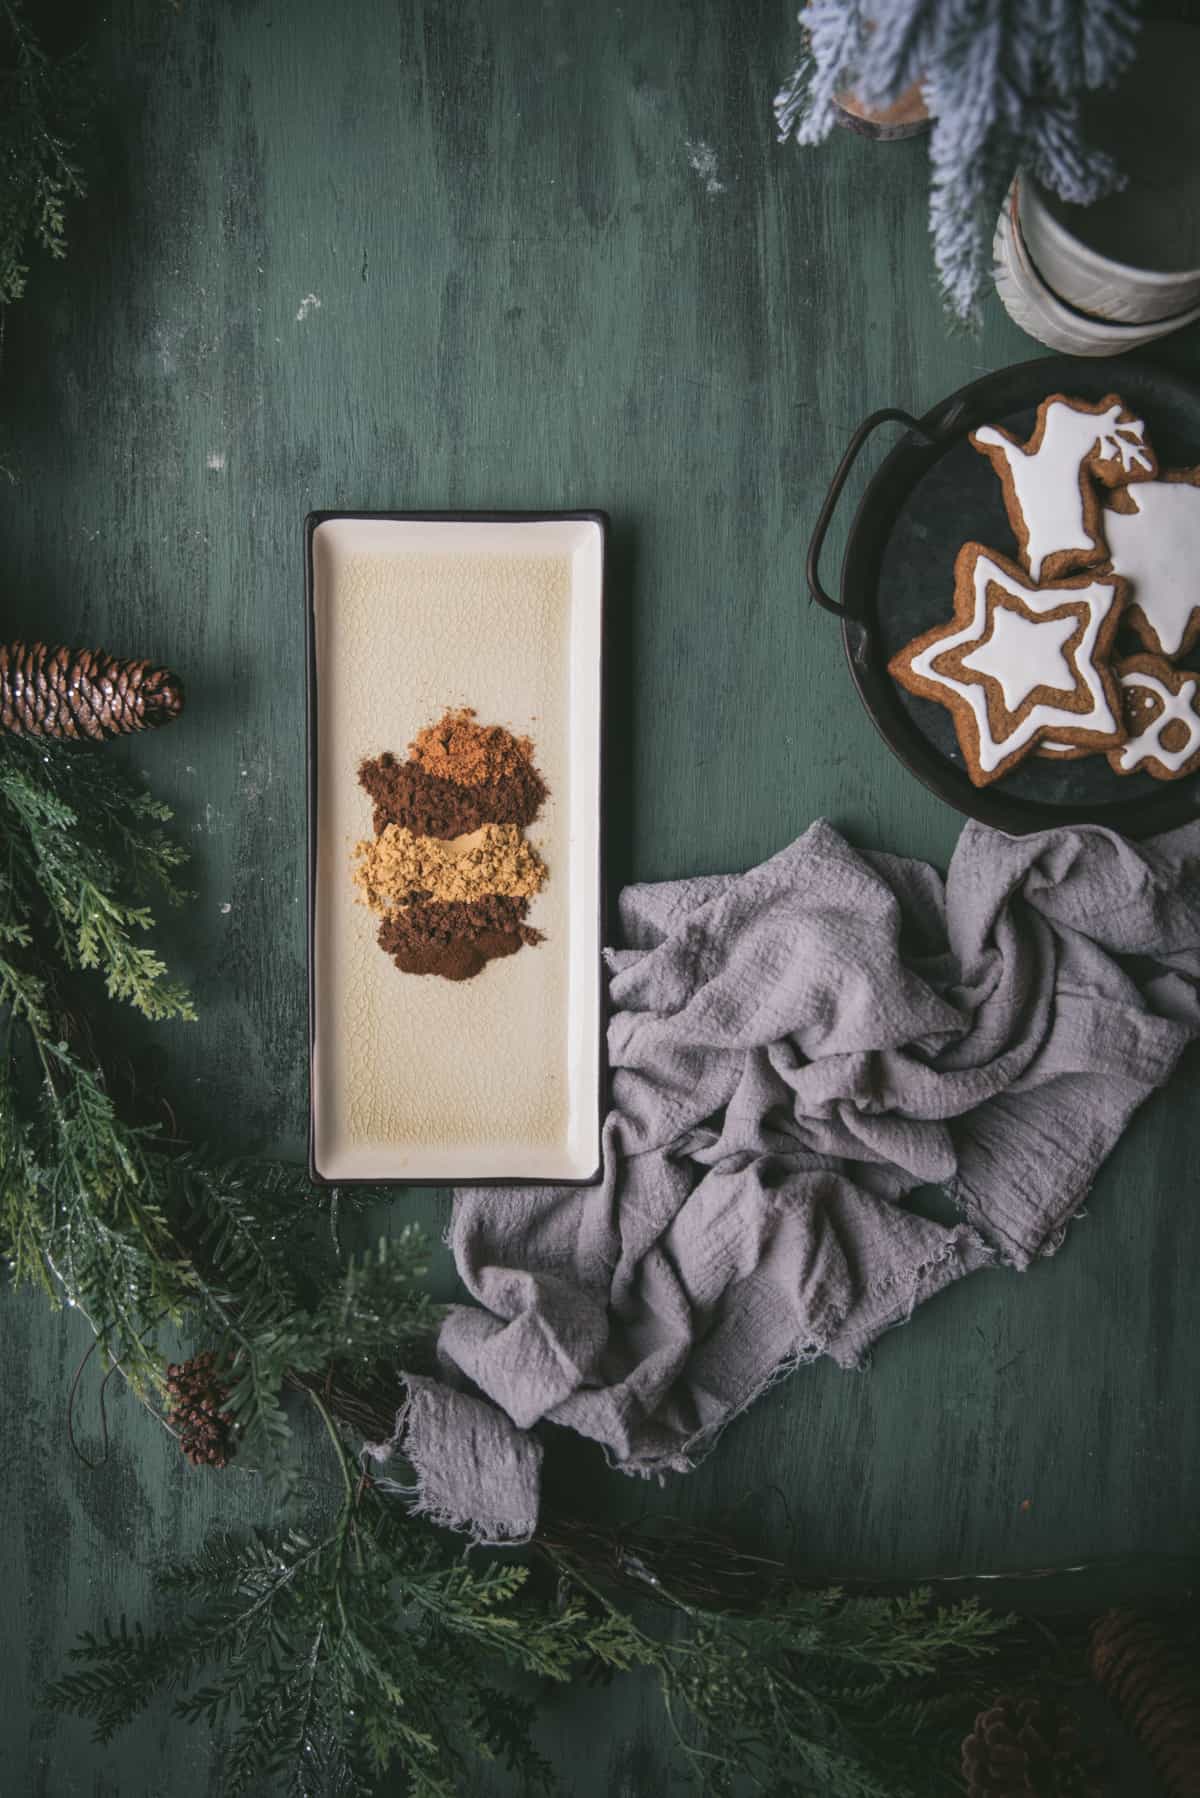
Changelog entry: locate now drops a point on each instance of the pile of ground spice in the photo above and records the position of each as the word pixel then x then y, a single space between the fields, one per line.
pixel 458 749
pixel 496 858
pixel 406 793
pixel 455 941
pixel 448 869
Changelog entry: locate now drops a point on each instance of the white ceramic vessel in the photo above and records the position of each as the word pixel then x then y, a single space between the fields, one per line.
pixel 1118 292
pixel 1096 280
pixel 1034 305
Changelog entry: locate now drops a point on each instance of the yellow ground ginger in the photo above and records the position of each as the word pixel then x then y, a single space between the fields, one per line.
pixel 396 867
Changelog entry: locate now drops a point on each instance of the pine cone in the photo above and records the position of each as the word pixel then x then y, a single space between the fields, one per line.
pixel 1031 1746
pixel 1151 1671
pixel 82 693
pixel 197 1394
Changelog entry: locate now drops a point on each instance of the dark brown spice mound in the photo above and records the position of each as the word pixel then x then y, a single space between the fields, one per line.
pixel 453 939
pixel 405 793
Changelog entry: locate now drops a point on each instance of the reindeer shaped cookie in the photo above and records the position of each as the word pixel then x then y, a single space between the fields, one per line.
pixel 1050 481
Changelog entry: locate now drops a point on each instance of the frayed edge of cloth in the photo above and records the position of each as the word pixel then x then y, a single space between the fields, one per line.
pixel 1012 1251
pixel 417 1495
pixel 698 1447
pixel 418 1435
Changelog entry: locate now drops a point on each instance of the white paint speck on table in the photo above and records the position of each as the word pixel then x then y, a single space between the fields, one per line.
pixel 702 159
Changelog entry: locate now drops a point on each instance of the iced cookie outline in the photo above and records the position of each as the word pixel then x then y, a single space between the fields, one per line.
pixel 1050 481
pixel 981 672
pixel 1156 697
pixel 1064 752
pixel 1153 536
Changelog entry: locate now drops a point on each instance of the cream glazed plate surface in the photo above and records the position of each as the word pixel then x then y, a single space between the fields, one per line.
pixel 413 1078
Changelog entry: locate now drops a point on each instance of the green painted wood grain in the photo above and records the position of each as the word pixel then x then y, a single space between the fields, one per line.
pixel 406 253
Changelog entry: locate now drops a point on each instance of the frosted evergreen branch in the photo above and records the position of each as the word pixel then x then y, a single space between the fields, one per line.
pixel 1002 79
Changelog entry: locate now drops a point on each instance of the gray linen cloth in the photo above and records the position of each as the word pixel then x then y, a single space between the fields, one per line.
pixel 793 1051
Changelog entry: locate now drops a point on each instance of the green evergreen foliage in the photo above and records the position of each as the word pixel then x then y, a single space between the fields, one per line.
pixel 823 1693
pixel 97 1211
pixel 275 1301
pixel 82 851
pixel 86 851
pixel 375 1646
pixel 43 105
pixel 366 1642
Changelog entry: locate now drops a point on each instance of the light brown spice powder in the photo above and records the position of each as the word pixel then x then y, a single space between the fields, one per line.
pixel 457 748
pixel 396 866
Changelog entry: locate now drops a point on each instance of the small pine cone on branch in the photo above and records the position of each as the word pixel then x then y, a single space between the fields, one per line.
pixel 197 1394
pixel 1029 1746
pixel 1150 1669
pixel 82 693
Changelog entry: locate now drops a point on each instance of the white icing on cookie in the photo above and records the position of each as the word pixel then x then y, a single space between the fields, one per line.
pixel 1047 481
pixel 1098 597
pixel 1157 548
pixel 1176 709
pixel 1021 655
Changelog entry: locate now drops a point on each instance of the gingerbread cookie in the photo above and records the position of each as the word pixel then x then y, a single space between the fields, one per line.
pixel 1019 663
pixel 1162 714
pixel 1153 533
pixel 1050 481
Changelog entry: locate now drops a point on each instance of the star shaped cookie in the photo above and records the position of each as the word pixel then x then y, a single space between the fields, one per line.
pixel 1020 662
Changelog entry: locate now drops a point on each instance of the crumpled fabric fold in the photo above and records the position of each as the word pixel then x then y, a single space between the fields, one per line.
pixel 794 1051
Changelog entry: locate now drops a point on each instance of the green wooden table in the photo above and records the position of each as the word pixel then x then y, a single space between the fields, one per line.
pixel 524 253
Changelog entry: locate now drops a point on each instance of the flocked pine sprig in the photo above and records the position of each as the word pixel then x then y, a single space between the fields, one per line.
pixel 1003 80
pixel 43 108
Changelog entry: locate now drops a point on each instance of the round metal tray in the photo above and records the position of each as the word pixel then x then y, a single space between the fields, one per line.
pixel 933 493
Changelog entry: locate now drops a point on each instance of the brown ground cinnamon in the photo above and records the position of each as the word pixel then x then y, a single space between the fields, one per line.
pixel 405 793
pixel 454 940
pixel 449 869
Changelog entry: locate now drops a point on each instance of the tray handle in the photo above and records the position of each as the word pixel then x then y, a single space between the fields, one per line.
pixel 888 415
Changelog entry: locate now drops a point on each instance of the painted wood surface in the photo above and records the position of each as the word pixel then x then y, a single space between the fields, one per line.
pixel 524 253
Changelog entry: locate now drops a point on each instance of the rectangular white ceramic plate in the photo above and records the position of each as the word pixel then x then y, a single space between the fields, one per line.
pixel 416 1078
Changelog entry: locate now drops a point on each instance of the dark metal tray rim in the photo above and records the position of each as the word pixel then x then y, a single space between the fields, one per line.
pixel 927 438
